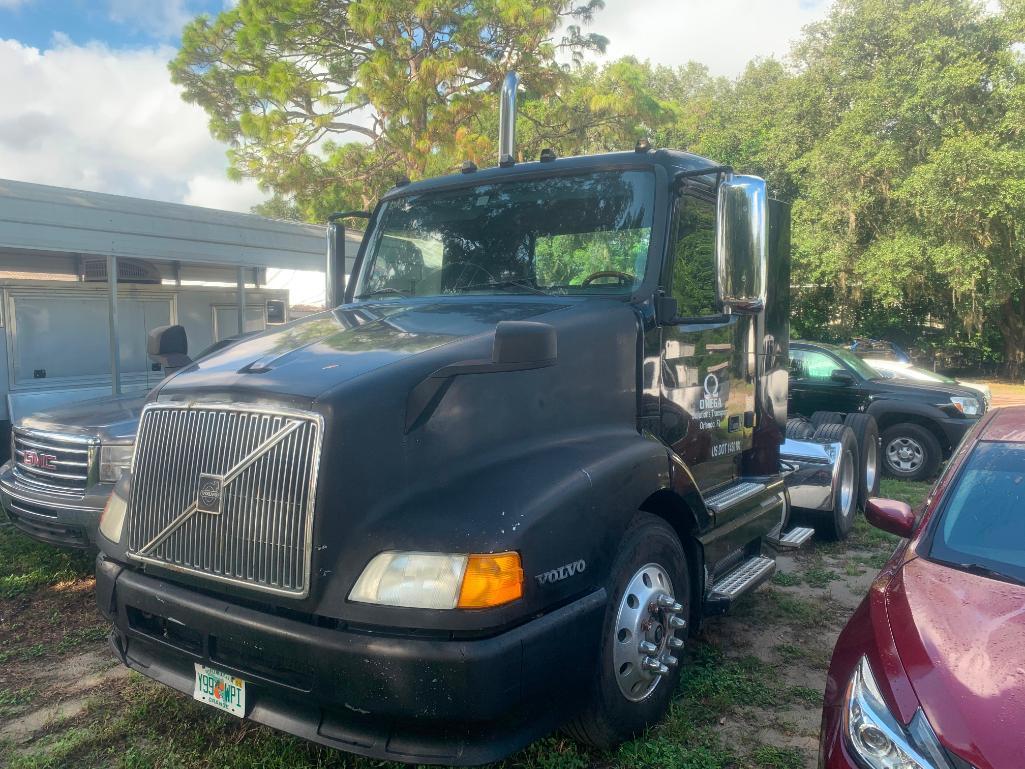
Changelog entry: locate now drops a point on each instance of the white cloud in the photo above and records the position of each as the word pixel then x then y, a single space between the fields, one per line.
pixel 14 3
pixel 220 192
pixel 108 120
pixel 724 34
pixel 159 18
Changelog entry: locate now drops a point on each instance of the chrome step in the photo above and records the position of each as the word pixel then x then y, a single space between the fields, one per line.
pixel 733 495
pixel 746 576
pixel 796 537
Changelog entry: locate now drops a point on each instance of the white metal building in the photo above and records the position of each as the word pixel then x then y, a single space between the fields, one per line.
pixel 69 333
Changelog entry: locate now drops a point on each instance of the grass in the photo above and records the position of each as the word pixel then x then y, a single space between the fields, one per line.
pixel 912 492
pixel 26 565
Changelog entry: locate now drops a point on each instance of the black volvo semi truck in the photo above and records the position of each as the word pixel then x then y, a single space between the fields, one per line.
pixel 492 491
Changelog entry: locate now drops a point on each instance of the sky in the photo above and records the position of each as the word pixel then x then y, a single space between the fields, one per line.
pixel 86 100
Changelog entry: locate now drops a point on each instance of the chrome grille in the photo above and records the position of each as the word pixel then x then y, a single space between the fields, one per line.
pixel 54 462
pixel 226 492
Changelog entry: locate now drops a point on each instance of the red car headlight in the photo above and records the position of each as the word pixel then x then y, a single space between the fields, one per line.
pixel 877 739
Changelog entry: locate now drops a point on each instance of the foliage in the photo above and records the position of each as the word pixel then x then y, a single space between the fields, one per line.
pixel 291 83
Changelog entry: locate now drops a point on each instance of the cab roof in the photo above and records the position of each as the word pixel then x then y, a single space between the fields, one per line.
pixel 673 161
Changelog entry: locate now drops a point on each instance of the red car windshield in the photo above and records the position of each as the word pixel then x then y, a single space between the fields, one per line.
pixel 981 527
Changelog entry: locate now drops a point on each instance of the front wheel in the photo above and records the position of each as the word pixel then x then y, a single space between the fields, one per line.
pixel 643 633
pixel 911 452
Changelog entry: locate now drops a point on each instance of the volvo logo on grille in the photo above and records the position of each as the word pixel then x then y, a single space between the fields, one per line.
pixel 39 460
pixel 209 500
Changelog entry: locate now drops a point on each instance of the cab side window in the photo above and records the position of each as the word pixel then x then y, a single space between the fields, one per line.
pixel 808 364
pixel 694 257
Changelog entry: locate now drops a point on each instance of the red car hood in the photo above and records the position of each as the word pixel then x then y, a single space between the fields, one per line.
pixel 961 638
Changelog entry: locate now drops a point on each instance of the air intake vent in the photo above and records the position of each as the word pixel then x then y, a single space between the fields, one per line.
pixel 94 270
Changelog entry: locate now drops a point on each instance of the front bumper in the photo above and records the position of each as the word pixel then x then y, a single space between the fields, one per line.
pixel 434 700
pixel 57 519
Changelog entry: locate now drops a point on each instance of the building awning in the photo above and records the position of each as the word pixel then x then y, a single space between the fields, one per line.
pixel 54 220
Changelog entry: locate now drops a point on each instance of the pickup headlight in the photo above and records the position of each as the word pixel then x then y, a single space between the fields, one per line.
pixel 876 737
pixel 112 519
pixel 113 460
pixel 967 406
pixel 440 580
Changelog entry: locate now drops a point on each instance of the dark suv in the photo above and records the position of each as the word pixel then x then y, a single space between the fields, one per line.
pixel 920 423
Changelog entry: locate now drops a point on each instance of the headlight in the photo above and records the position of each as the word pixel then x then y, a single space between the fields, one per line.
pixel 112 520
pixel 440 580
pixel 877 739
pixel 114 459
pixel 967 406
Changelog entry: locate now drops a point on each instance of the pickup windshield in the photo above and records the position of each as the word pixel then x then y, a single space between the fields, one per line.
pixel 581 234
pixel 982 525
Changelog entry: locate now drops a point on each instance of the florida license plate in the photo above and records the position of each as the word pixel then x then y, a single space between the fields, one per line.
pixel 223 691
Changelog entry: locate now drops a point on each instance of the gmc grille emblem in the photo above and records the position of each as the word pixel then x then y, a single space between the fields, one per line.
pixel 40 461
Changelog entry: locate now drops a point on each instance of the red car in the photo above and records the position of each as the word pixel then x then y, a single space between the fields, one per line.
pixel 930 670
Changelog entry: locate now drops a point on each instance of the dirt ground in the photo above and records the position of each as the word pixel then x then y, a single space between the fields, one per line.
pixel 750 695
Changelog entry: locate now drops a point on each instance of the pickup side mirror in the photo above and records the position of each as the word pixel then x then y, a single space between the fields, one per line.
pixel 168 346
pixel 841 377
pixel 742 243
pixel 890 515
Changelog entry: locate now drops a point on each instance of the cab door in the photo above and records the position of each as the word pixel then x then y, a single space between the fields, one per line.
pixel 707 392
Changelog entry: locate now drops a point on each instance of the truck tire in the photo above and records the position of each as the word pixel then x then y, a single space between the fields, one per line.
pixel 866 432
pixel 799 429
pixel 826 418
pixel 838 524
pixel 910 452
pixel 626 696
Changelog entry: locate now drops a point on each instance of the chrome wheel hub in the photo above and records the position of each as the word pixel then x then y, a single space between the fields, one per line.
pixel 905 455
pixel 645 632
pixel 871 465
pixel 847 465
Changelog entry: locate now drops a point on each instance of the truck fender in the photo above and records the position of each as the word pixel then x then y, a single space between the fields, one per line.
pixel 887 412
pixel 563 506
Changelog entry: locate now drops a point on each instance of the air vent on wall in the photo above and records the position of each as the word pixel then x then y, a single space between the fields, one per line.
pixel 94 269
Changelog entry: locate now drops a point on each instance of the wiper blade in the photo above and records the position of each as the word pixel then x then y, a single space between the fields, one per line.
pixel 386 290
pixel 986 571
pixel 501 284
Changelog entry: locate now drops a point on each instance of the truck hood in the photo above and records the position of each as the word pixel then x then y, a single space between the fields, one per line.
pixel 324 351
pixel 961 638
pixel 109 419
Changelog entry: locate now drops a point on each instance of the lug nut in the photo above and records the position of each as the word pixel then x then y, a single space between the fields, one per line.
pixel 677 623
pixel 675 643
pixel 665 601
pixel 670 660
pixel 663 670
pixel 647 647
pixel 650 663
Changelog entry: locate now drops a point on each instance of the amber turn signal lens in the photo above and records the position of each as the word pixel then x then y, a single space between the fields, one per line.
pixel 491 580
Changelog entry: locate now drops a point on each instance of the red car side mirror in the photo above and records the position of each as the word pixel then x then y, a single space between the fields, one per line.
pixel 890 515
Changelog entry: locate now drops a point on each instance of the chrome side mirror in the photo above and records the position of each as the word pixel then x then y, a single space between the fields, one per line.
pixel 742 243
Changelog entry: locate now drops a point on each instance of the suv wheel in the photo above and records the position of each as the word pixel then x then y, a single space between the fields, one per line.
pixel 845 497
pixel 645 624
pixel 910 452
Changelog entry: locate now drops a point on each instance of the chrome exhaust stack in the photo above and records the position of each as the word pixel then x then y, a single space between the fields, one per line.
pixel 507 121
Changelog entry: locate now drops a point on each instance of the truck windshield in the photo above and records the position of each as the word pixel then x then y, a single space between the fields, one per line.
pixel 982 526
pixel 581 234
